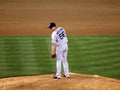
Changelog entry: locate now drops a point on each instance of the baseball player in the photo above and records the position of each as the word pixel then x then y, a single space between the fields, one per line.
pixel 59 49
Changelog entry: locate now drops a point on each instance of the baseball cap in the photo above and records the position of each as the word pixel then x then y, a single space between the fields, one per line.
pixel 52 24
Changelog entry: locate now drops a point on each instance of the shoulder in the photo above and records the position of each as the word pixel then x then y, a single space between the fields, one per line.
pixel 59 30
pixel 53 34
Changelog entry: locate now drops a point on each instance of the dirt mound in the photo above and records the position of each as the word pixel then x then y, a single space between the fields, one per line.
pixel 46 82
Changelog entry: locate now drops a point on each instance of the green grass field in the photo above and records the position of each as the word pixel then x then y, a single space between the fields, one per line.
pixel 30 55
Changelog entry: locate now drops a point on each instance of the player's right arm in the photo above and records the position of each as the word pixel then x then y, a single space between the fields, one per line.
pixel 53 47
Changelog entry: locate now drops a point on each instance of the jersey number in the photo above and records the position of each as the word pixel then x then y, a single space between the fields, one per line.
pixel 62 35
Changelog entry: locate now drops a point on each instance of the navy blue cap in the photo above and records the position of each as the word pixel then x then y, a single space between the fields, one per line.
pixel 52 24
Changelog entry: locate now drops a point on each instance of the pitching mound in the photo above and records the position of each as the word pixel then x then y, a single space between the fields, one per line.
pixel 45 82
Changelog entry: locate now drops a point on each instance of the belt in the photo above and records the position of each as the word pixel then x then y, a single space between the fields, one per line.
pixel 62 44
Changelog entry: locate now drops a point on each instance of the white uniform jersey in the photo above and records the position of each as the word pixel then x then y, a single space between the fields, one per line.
pixel 59 36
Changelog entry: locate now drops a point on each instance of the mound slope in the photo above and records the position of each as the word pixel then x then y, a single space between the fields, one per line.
pixel 45 82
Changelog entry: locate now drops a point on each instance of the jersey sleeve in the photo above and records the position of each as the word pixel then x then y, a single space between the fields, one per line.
pixel 53 37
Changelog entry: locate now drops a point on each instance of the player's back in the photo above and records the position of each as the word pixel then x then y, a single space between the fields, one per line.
pixel 61 37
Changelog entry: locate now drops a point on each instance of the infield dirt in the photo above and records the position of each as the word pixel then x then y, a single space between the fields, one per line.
pixel 46 82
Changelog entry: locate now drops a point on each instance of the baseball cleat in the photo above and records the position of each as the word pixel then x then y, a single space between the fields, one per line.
pixel 65 76
pixel 55 77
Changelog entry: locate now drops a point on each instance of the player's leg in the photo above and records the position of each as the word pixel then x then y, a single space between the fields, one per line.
pixel 58 66
pixel 58 62
pixel 65 62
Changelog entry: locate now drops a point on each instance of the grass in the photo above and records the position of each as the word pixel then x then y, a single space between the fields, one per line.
pixel 95 55
pixel 30 55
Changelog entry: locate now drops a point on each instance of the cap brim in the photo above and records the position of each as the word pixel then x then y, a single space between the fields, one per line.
pixel 49 27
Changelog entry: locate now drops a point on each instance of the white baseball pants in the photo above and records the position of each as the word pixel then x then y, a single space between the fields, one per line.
pixel 61 52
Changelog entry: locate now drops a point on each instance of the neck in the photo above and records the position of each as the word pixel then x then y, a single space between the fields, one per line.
pixel 54 28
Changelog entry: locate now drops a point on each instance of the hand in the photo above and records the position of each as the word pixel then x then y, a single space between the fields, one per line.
pixel 53 55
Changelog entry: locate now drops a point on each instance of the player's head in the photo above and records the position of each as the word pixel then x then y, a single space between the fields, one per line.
pixel 52 25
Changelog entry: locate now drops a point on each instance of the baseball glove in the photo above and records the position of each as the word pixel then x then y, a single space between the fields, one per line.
pixel 53 56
